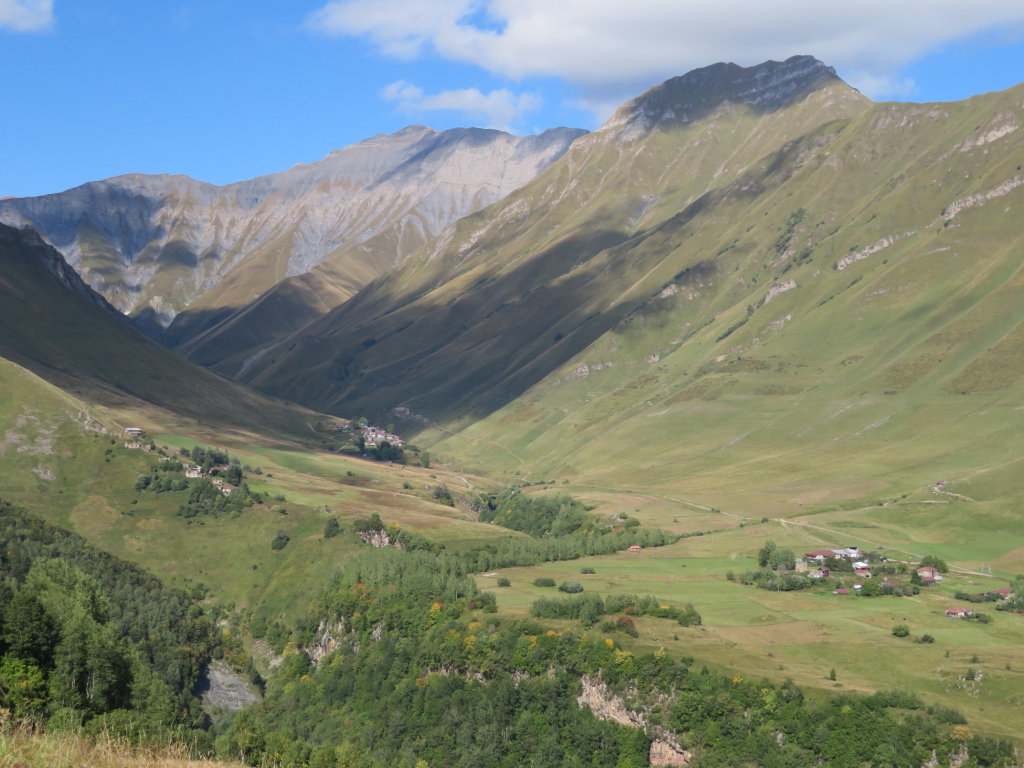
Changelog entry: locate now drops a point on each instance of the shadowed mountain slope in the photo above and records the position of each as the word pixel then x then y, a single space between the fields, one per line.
pixel 155 245
pixel 58 328
pixel 472 321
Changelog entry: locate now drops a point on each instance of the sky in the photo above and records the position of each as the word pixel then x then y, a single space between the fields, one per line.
pixel 225 90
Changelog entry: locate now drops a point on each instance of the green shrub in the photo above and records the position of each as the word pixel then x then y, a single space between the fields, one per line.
pixel 280 540
pixel 503 582
pixel 900 630
pixel 572 587
pixel 587 569
pixel 543 581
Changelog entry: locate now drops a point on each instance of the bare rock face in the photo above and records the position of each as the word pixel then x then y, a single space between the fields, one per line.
pixel 225 689
pixel 667 753
pixel 153 244
pixel 330 636
pixel 607 706
pixel 665 749
pixel 376 539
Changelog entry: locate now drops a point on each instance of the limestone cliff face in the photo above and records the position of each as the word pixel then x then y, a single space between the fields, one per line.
pixel 153 244
pixel 665 748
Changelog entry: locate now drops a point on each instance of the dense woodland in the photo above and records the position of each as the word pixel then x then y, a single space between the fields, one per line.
pixel 89 638
pixel 540 515
pixel 422 675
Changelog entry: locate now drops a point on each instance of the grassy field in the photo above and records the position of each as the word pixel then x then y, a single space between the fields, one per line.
pixel 805 635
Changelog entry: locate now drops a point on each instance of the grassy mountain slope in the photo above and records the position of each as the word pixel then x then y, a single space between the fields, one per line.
pixel 834 322
pixel 58 328
pixel 442 335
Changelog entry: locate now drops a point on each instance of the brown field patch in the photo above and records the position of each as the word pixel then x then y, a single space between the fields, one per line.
pixel 643 381
pixel 777 389
pixel 523 413
pixel 997 368
pixel 706 389
pixel 785 633
pixel 906 373
pixel 93 516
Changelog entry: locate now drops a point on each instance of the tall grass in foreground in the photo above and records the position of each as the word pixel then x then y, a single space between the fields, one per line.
pixel 28 746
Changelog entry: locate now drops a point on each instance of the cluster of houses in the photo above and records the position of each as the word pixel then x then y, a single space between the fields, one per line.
pixel 860 567
pixel 132 441
pixel 191 470
pixel 194 470
pixel 373 436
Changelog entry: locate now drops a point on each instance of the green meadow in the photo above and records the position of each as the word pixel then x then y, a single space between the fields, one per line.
pixel 804 635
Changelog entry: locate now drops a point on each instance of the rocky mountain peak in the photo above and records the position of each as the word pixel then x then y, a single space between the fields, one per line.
pixel 153 244
pixel 765 87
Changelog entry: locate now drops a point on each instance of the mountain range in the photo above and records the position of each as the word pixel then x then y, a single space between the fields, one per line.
pixel 155 246
pixel 740 257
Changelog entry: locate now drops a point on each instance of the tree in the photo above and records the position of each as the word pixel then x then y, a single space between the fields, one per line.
pixel 504 582
pixel 280 540
pixel 332 528
pixel 425 459
pixel 900 630
pixel 29 631
pixel 932 561
pixel 765 553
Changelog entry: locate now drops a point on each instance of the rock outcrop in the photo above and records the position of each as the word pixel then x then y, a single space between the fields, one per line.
pixel 665 748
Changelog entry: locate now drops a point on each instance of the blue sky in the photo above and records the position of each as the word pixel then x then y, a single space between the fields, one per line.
pixel 224 90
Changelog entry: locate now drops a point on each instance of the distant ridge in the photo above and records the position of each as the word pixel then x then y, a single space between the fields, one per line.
pixel 153 245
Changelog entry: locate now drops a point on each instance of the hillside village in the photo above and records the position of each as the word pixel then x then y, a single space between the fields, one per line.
pixel 372 435
pixel 871 574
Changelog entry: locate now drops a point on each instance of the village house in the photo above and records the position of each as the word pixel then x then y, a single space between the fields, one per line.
pixel 819 573
pixel 929 572
pixel 134 431
pixel 635 548
pixel 227 489
pixel 1006 594
pixel 959 613
pixel 841 591
pixel 194 471
pixel 850 553
pixel 820 555
pixel 133 445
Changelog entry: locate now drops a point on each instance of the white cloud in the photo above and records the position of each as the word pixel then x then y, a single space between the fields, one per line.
pixel 500 109
pixel 880 87
pixel 610 49
pixel 26 15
